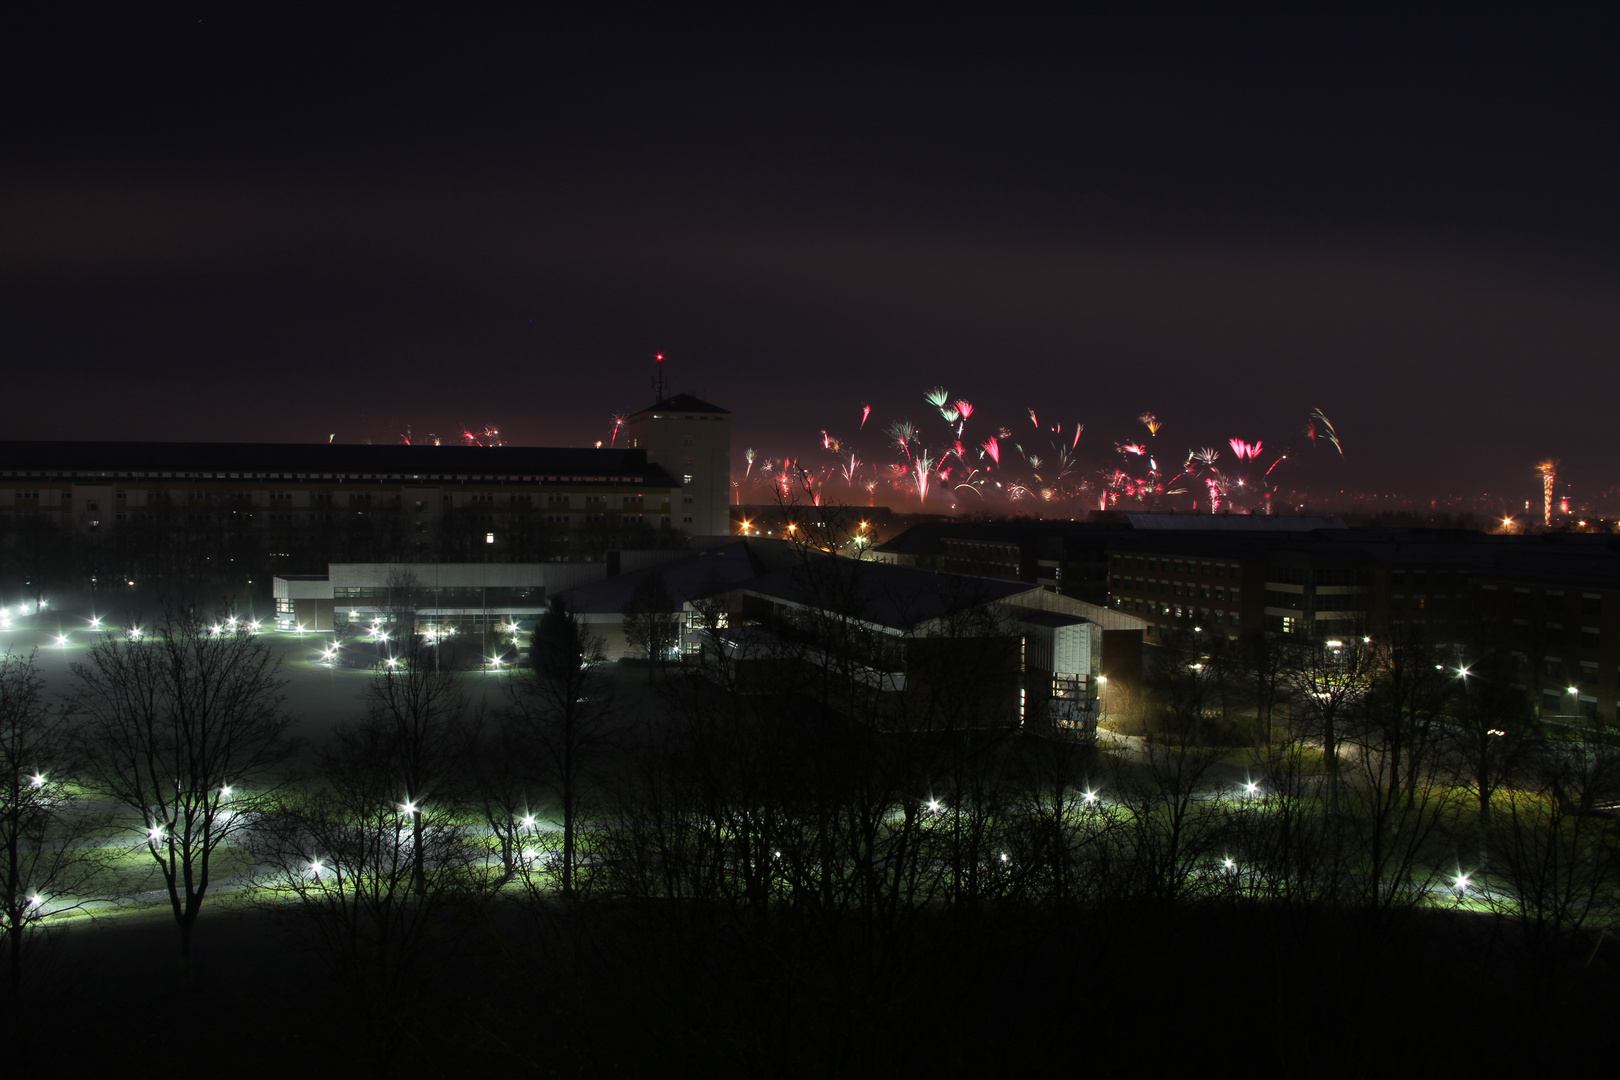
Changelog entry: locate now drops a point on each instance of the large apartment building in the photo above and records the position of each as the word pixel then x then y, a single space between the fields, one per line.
pixel 213 513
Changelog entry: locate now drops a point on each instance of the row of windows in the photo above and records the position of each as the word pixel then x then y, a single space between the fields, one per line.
pixel 1181 566
pixel 1177 588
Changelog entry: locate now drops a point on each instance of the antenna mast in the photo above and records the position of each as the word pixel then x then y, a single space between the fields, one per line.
pixel 659 390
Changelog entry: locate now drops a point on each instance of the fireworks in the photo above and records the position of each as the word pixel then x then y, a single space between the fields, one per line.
pixel 1319 417
pixel 916 459
pixel 1241 449
pixel 1549 477
pixel 490 436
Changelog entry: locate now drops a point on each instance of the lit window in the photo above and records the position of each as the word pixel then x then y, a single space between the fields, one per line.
pixel 489 538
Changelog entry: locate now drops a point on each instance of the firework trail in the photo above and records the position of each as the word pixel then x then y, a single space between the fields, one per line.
pixel 490 436
pixel 922 467
pixel 1131 448
pixel 1149 421
pixel 937 397
pixel 1280 459
pixel 1319 417
pixel 1033 419
pixel 1549 477
pixel 850 469
pixel 748 456
pixel 405 437
pixel 618 426
pixel 993 448
pixel 1078 428
pixel 866 411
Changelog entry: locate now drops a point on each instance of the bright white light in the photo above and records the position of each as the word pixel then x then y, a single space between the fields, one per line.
pixel 528 854
pixel 1335 644
pixel 1461 883
pixel 95 621
pixel 35 900
pixel 1102 678
pixel 1462 673
pixel 315 867
pixel 134 633
pixel 154 834
pixel 37 780
pixel 225 791
pixel 934 806
pixel 1091 798
pixel 1573 689
pixel 1003 856
pixel 61 639
pixel 22 609
pixel 1228 863
pixel 1251 787
pixel 528 821
pixel 214 630
pixel 408 809
pixel 392 662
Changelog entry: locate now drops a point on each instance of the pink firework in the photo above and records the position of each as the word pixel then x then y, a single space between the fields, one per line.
pixel 964 409
pixel 993 448
pixel 1132 448
pixel 1245 449
pixel 866 411
pixel 1033 419
pixel 1078 428
pixel 618 426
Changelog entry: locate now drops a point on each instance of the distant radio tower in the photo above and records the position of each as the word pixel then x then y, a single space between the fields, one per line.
pixel 659 390
pixel 1549 476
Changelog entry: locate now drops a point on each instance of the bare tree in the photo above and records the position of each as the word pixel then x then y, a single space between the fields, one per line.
pixel 557 703
pixel 47 871
pixel 651 622
pixel 380 889
pixel 420 728
pixel 186 728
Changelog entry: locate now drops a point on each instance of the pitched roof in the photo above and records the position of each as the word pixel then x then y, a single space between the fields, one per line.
pixel 684 403
pixel 694 577
pixel 899 597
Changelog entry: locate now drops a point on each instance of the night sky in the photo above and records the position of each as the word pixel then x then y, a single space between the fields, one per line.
pixel 228 222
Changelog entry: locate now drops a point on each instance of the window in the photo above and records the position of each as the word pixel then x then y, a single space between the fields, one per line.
pixel 1551 701
pixel 1591 637
pixel 686 479
pixel 1591 604
pixel 1555 601
pixel 1552 667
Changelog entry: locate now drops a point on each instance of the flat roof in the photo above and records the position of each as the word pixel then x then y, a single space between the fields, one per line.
pixel 246 461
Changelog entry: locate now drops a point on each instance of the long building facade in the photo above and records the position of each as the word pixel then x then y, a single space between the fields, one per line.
pixel 91 514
